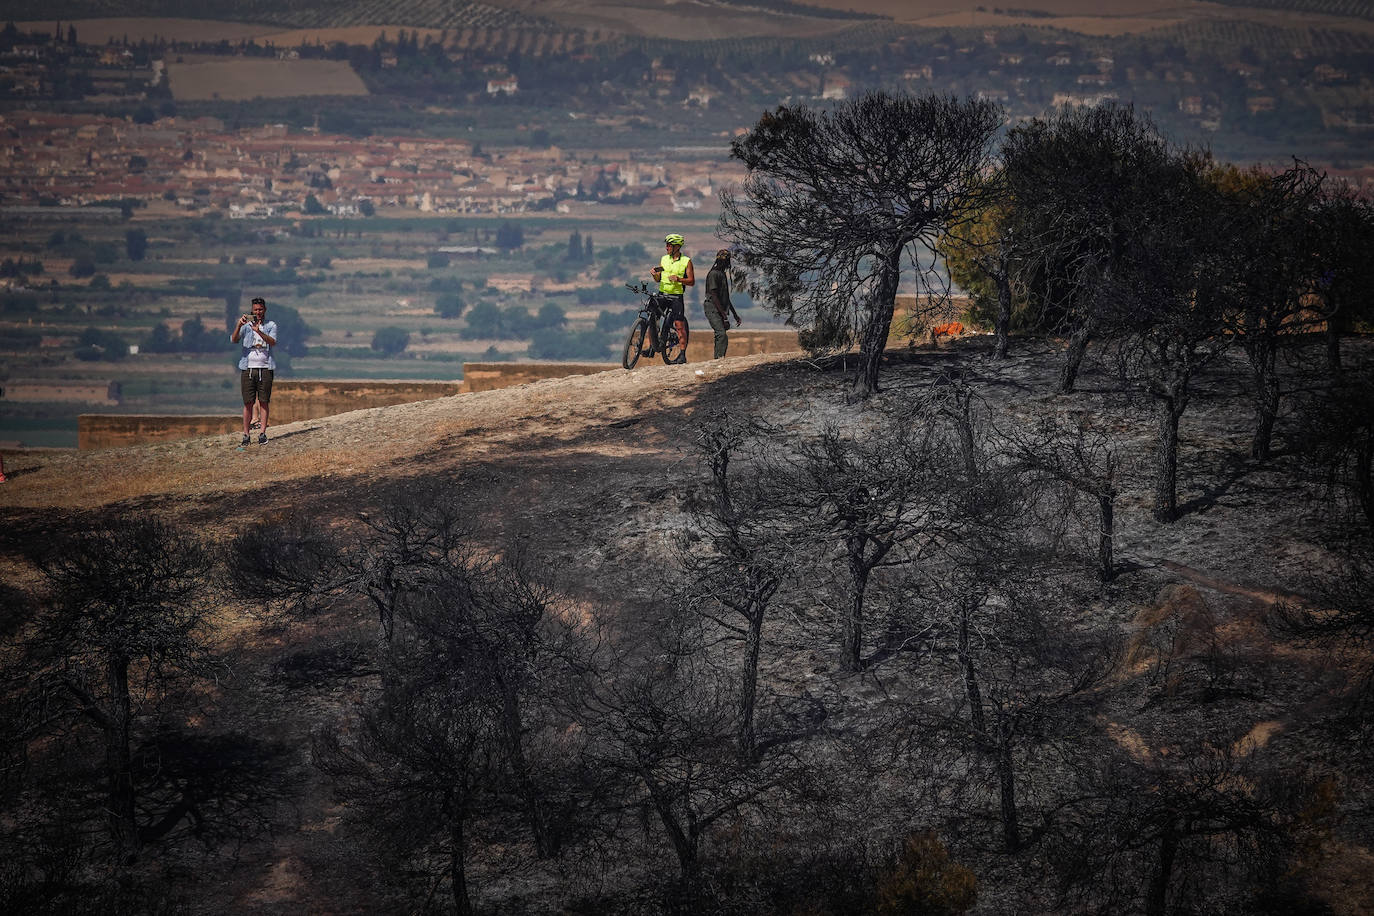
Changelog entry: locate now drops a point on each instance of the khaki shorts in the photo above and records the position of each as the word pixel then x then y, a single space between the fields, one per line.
pixel 256 385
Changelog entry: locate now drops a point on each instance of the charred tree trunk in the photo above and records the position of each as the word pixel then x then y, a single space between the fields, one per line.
pixel 746 739
pixel 546 839
pixel 1166 471
pixel 1002 323
pixel 1106 562
pixel 1264 370
pixel 968 449
pixel 1073 357
pixel 971 689
pixel 852 633
pixel 1334 328
pixel 1333 349
pixel 118 765
pixel 457 866
pixel 1006 783
pixel 1266 412
pixel 1364 478
pixel 873 339
pixel 1157 894
pixel 682 841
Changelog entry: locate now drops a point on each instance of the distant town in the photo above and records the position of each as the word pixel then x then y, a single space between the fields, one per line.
pixel 189 125
pixel 51 159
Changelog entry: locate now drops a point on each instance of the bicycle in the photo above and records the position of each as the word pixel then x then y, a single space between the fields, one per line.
pixel 666 336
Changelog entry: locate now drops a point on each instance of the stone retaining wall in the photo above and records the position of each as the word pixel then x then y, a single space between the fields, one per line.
pixel 743 341
pixel 292 400
pixel 111 430
pixel 490 376
pixel 700 346
pixel 299 399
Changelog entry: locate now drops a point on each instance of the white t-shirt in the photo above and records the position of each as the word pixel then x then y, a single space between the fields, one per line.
pixel 256 353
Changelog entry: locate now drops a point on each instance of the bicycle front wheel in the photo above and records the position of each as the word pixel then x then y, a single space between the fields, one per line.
pixel 634 343
pixel 675 349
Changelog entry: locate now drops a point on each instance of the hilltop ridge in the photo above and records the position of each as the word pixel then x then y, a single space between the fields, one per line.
pixel 366 445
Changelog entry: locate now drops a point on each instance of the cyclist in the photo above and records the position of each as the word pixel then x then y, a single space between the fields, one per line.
pixel 673 273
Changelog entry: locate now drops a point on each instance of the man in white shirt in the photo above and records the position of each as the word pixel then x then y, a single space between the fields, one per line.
pixel 258 336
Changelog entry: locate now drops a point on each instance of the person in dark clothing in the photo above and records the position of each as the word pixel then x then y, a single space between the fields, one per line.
pixel 716 303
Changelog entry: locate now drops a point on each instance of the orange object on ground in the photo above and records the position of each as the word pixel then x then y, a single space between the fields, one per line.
pixel 949 329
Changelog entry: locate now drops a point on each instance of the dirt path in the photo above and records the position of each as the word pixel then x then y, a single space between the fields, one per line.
pixel 353 448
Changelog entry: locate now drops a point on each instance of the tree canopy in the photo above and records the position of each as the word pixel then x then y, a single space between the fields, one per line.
pixel 836 201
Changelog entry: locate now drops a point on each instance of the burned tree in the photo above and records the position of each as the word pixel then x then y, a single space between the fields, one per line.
pixel 1336 616
pixel 878 495
pixel 1276 272
pixel 531 654
pixel 1017 667
pixel 1082 457
pixel 1345 250
pixel 746 555
pixel 836 202
pixel 465 727
pixel 666 728
pixel 418 533
pixel 1337 432
pixel 512 649
pixel 284 565
pixel 417 538
pixel 1022 694
pixel 419 764
pixel 124 618
pixel 1169 304
pixel 1085 183
pixel 1182 827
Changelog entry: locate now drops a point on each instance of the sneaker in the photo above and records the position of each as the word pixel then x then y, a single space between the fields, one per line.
pixel 262 438
pixel 245 441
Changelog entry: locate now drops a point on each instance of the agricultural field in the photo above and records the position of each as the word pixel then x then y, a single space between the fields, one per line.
pixel 538 28
pixel 238 79
pixel 307 14
pixel 533 28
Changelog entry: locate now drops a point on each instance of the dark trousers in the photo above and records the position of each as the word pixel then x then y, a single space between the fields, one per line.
pixel 720 325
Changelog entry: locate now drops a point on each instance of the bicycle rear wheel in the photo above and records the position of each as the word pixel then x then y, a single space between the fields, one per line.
pixel 675 348
pixel 634 343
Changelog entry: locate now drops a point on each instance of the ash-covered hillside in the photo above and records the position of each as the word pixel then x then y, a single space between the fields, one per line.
pixel 737 642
